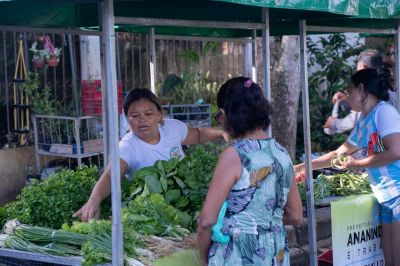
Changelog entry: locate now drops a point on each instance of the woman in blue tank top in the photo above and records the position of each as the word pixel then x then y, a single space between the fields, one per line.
pixel 376 138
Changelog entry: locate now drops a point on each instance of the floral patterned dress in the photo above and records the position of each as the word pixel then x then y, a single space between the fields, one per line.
pixel 253 218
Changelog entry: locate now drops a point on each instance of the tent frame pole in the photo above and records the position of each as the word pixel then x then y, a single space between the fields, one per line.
pixel 397 63
pixel 153 22
pixel 50 30
pixel 112 130
pixel 266 60
pixel 254 56
pixel 323 29
pixel 307 144
pixel 152 59
pixel 198 38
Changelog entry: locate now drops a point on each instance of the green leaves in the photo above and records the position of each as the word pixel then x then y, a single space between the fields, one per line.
pixel 337 185
pixel 153 184
pixel 183 184
pixel 152 215
pixel 51 202
pixel 172 196
pixel 332 61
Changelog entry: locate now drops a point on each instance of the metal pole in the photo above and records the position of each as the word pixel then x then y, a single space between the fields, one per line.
pixel 118 58
pixel 112 109
pixel 254 55
pixel 154 22
pixel 73 74
pixel 7 96
pixel 307 145
pixel 105 120
pixel 327 29
pixel 26 52
pixel 77 134
pixel 248 59
pixel 42 30
pixel 36 139
pixel 152 59
pixel 397 66
pixel 266 60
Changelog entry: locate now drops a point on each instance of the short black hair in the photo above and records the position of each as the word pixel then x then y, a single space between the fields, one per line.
pixel 370 59
pixel 245 106
pixel 375 81
pixel 138 94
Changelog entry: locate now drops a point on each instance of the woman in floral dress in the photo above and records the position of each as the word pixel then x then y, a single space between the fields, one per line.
pixel 253 192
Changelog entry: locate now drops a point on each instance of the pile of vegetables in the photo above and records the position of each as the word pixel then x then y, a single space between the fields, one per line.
pixel 158 213
pixel 51 202
pixel 183 184
pixel 343 184
pixel 95 245
pixel 152 215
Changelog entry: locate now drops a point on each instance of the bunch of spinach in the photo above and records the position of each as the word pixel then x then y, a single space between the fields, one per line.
pixel 196 171
pixel 184 183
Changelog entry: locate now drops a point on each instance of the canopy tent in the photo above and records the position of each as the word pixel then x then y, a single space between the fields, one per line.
pixel 282 18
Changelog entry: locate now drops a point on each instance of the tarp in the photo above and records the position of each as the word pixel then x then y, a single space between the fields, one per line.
pixel 284 15
pixel 379 9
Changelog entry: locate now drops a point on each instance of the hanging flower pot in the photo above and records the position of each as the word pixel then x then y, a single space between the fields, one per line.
pixel 38 62
pixel 52 53
pixel 52 62
pixel 38 58
pixel 48 55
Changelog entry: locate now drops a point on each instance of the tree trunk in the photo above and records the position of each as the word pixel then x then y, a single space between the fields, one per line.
pixel 285 89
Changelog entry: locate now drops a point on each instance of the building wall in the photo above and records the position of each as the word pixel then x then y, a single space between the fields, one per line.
pixel 15 165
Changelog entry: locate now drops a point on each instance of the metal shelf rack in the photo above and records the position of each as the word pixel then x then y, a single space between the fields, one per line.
pixel 60 136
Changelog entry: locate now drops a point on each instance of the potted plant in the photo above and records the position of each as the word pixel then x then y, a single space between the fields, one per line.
pixel 52 53
pixel 38 58
pixel 48 55
pixel 41 102
pixel 40 97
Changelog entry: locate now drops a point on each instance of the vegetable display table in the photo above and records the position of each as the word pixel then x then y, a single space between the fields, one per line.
pixel 22 258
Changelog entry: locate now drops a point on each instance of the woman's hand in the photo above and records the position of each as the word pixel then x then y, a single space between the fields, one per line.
pixel 299 173
pixel 329 122
pixel 339 97
pixel 89 211
pixel 349 163
pixel 226 136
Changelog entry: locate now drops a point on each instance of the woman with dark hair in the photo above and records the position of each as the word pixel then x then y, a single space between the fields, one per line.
pixel 151 138
pixel 376 141
pixel 252 192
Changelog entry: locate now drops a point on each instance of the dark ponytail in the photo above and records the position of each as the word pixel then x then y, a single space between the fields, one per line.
pixel 375 81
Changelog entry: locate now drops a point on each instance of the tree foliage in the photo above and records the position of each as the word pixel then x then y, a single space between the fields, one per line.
pixel 334 59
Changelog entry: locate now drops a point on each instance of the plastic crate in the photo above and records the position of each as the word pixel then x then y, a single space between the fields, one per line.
pixel 195 115
pixel 91 97
pixel 325 258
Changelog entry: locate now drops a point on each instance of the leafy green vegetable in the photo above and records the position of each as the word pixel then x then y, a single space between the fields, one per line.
pixel 184 184
pixel 152 215
pixel 337 185
pixel 51 202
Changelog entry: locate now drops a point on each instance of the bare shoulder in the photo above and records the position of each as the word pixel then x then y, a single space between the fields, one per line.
pixel 229 161
pixel 229 153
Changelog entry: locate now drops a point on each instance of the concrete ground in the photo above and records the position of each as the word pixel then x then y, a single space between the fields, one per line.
pixel 298 237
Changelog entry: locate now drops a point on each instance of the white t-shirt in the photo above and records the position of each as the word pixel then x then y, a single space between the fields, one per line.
pixel 138 153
